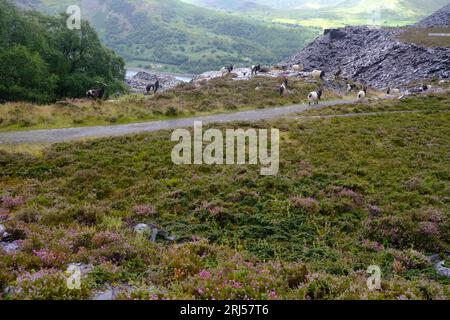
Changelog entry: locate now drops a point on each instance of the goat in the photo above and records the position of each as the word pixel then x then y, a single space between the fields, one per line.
pixel 318 74
pixel 350 87
pixel 297 67
pixel 152 87
pixel 337 74
pixel 362 94
pixel 227 70
pixel 96 93
pixel 314 97
pixel 392 91
pixel 255 69
pixel 282 89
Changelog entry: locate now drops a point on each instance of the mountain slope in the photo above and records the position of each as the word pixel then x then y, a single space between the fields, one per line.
pixel 440 18
pixel 175 36
pixel 374 56
pixel 337 13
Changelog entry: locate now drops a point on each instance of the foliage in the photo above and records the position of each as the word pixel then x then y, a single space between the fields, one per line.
pixel 172 36
pixel 352 192
pixel 42 60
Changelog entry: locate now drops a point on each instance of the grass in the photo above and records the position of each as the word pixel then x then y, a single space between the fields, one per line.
pixel 351 192
pixel 429 103
pixel 422 36
pixel 215 96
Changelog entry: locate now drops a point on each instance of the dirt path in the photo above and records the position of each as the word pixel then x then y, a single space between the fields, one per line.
pixel 70 134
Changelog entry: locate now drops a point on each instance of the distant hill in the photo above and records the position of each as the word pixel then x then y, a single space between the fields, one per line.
pixel 174 36
pixel 334 13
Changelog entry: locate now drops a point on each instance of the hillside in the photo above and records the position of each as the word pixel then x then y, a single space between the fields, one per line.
pixel 335 13
pixel 174 36
pixel 441 18
pixel 378 57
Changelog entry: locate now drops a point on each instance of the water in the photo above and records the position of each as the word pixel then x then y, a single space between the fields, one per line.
pixel 130 74
pixel 184 79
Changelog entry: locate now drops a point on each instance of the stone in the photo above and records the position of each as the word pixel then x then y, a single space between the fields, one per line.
pixel 142 228
pixel 3 233
pixel 155 232
pixel 84 268
pixel 105 295
pixel 10 247
pixel 442 270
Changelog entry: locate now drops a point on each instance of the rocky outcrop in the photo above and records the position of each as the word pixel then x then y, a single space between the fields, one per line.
pixel 440 18
pixel 373 56
pixel 139 82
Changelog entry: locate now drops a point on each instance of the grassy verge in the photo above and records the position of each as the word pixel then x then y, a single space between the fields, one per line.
pixel 352 192
pixel 421 36
pixel 216 96
pixel 430 103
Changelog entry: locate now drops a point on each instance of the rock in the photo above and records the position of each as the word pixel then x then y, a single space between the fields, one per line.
pixel 372 56
pixel 10 247
pixel 2 231
pixel 142 228
pixel 84 268
pixel 139 82
pixel 111 292
pixel 105 295
pixel 153 231
pixel 442 270
pixel 440 18
pixel 154 235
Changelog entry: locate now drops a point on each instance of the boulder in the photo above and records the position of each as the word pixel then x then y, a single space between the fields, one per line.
pixel 142 228
pixel 442 270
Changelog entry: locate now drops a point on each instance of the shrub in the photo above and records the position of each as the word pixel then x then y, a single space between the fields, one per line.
pixel 46 284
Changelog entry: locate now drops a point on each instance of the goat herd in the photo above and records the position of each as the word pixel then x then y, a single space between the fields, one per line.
pixel 314 97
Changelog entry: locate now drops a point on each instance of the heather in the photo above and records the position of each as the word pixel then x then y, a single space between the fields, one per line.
pixel 351 192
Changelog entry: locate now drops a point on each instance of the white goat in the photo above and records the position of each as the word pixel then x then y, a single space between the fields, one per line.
pixel 362 94
pixel 318 74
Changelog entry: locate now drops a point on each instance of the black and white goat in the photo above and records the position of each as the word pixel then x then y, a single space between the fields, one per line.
pixel 227 70
pixel 362 94
pixel 98 93
pixel 314 97
pixel 256 69
pixel 152 87
pixel 283 88
pixel 318 74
